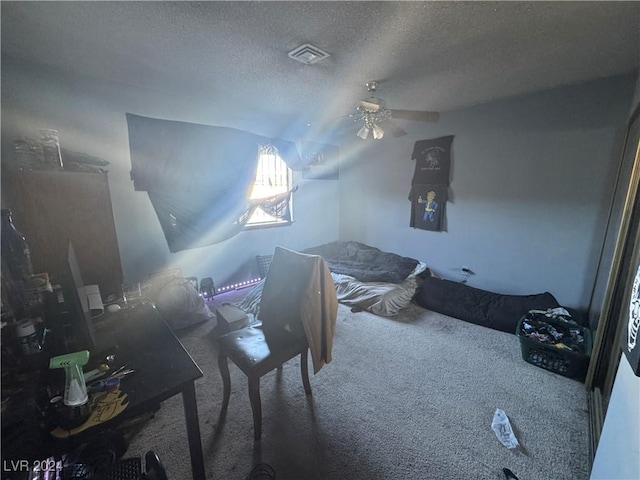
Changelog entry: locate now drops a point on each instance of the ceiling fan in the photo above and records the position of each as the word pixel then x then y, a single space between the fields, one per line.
pixel 378 119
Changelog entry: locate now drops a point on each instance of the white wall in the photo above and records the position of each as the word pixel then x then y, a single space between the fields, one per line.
pixel 618 453
pixel 531 181
pixel 89 114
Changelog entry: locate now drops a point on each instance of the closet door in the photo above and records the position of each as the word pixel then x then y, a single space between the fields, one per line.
pixel 610 300
pixel 52 208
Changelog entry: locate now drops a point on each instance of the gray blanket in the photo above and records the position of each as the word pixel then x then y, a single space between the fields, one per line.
pixel 363 262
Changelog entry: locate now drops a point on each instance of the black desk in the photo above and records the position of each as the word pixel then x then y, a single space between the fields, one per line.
pixel 163 368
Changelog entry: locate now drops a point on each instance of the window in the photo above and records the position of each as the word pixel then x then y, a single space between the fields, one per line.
pixel 199 179
pixel 271 190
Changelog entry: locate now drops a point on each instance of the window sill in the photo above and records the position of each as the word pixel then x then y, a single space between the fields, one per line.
pixel 260 226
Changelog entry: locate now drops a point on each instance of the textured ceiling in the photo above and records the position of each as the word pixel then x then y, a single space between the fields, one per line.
pixel 428 55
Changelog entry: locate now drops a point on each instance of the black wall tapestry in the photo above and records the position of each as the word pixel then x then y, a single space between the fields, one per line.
pixel 199 177
pixel 430 181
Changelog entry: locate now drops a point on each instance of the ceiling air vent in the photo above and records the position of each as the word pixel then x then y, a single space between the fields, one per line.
pixel 308 54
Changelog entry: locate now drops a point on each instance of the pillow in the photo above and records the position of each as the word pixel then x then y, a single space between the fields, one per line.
pixel 397 298
pixel 264 262
pixel 176 299
pixel 181 305
pixel 493 310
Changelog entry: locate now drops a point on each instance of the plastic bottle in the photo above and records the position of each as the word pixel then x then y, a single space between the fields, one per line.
pixel 15 249
pixel 51 148
pixel 27 337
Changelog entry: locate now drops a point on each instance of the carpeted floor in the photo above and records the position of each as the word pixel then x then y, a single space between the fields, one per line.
pixel 405 398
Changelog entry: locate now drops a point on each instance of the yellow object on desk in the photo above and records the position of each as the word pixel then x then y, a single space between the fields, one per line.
pixel 106 407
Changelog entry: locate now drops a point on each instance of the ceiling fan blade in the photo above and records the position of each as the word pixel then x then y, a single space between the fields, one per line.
pixel 389 126
pixel 415 115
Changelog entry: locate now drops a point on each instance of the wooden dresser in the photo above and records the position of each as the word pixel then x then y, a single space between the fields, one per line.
pixel 52 208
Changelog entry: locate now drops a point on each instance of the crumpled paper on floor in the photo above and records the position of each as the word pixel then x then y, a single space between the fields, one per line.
pixel 502 428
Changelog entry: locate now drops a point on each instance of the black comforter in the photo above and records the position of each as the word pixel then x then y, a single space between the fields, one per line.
pixel 363 262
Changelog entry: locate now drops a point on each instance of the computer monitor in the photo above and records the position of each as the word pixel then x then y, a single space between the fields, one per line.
pixel 79 324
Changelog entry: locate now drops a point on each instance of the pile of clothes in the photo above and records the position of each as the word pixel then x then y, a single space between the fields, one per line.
pixel 556 328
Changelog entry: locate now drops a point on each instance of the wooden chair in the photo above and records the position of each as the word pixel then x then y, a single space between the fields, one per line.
pixel 257 351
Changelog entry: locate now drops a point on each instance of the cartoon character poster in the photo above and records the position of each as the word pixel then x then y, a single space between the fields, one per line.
pixel 427 207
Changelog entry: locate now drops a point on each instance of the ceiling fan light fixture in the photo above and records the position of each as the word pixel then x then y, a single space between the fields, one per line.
pixel 378 132
pixel 372 85
pixel 374 113
pixel 363 133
